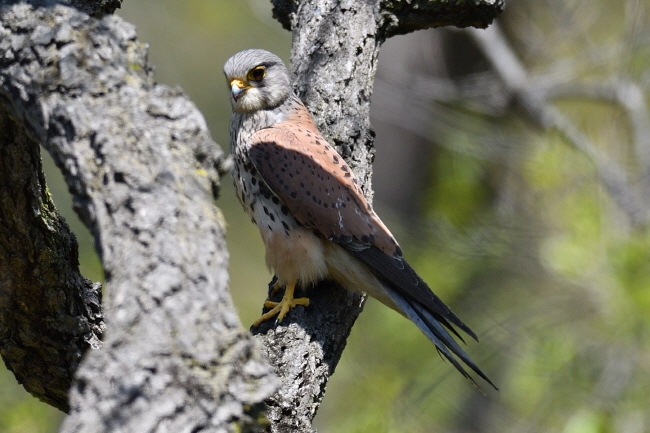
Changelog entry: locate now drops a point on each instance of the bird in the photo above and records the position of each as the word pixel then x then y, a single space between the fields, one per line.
pixel 313 217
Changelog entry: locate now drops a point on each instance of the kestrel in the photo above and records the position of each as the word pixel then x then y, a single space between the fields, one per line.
pixel 314 220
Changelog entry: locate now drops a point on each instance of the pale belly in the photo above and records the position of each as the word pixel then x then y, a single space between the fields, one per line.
pixel 296 254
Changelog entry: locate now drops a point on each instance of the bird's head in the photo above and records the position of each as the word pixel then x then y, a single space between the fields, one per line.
pixel 258 80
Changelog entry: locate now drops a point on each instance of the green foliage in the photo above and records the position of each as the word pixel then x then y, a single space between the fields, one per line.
pixel 460 194
pixel 21 413
pixel 527 247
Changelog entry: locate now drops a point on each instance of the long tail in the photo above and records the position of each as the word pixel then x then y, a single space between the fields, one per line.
pixel 436 332
pixel 416 301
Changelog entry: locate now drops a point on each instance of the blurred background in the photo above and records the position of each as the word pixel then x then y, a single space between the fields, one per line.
pixel 514 167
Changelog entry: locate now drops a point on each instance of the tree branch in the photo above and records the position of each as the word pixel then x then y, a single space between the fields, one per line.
pixel 334 59
pixel 535 102
pixel 49 313
pixel 399 17
pixel 141 166
pixel 143 171
pixel 94 8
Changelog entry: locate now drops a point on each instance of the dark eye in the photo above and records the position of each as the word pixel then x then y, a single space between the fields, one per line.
pixel 257 73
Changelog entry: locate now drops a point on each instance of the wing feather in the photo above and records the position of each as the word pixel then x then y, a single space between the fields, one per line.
pixel 298 165
pixel 432 328
pixel 317 185
pixel 402 277
pixel 422 306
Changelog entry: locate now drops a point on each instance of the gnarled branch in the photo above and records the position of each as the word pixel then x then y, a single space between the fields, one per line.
pixel 142 168
pixel 143 171
pixel 334 59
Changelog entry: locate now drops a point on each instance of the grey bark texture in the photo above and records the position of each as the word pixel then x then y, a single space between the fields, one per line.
pixel 143 170
pixel 334 59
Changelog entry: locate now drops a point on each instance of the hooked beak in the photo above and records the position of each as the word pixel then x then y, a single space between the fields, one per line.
pixel 237 87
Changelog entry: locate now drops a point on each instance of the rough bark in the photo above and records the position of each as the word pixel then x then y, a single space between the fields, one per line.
pixel 94 8
pixel 334 59
pixel 49 313
pixel 143 171
pixel 142 168
pixel 398 17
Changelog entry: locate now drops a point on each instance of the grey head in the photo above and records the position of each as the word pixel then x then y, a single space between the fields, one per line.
pixel 258 80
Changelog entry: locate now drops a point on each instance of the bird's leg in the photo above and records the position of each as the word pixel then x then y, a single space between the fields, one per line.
pixel 280 309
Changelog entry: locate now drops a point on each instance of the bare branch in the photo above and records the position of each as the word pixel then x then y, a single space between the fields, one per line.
pixel 629 96
pixel 534 100
pixel 143 171
pixel 142 168
pixel 334 60
pixel 398 17
pixel 49 314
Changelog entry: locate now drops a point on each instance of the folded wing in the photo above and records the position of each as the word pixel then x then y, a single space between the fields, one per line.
pixel 318 187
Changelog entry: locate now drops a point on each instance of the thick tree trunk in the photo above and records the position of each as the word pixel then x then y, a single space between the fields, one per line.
pixel 334 59
pixel 143 171
pixel 142 168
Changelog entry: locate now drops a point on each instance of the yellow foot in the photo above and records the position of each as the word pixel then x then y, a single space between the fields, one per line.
pixel 280 309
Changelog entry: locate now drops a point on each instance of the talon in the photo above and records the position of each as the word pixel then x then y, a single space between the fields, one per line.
pixel 280 309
